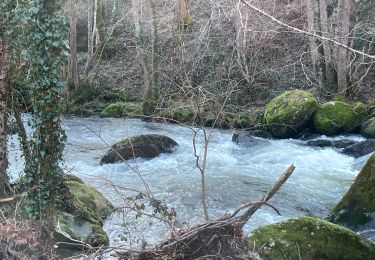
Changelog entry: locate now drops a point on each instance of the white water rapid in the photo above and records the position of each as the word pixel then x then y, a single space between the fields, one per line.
pixel 235 174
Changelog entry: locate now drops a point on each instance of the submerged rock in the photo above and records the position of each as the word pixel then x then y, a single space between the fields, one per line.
pixel 331 143
pixel 309 238
pixel 368 128
pixel 336 117
pixel 81 215
pixel 145 146
pixel 360 149
pixel 357 208
pixel 288 113
pixel 247 140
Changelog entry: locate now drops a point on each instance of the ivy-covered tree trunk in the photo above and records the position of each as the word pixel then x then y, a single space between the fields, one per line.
pixel 4 87
pixel 48 37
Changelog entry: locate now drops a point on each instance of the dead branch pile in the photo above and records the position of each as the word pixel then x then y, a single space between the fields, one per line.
pixel 219 239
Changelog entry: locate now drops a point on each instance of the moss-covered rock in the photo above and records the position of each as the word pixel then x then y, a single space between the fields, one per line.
pixel 81 215
pixel 70 229
pixel 361 109
pixel 357 207
pixel 145 146
pixel 181 115
pixel 122 109
pixel 368 128
pixel 336 117
pixel 309 238
pixel 288 113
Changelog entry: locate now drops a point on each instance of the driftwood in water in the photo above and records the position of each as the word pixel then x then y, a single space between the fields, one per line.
pixel 218 239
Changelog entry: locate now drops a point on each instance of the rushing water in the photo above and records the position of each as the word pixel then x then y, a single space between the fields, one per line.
pixel 235 174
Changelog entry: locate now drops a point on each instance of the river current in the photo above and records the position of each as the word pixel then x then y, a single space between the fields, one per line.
pixel 234 175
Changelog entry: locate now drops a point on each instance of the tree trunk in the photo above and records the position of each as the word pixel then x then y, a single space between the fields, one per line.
pixel 90 36
pixel 342 59
pixel 4 88
pixel 329 73
pixel 73 70
pixel 310 10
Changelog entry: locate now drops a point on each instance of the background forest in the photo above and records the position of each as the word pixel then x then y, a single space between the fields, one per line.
pixel 277 69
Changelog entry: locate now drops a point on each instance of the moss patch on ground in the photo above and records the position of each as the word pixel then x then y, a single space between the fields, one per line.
pixel 368 128
pixel 309 238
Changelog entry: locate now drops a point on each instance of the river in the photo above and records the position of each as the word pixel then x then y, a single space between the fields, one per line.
pixel 235 174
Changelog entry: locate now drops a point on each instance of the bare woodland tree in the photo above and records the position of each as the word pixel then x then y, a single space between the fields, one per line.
pixel 73 69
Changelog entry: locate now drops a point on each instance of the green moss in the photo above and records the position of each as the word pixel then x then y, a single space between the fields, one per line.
pixel 121 109
pixel 361 110
pixel 368 128
pixel 71 177
pixel 338 97
pixel 89 202
pixel 241 120
pixel 358 204
pixel 335 117
pixel 127 95
pixel 288 113
pixel 309 238
pixel 182 115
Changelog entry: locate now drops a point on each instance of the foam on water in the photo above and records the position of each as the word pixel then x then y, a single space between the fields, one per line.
pixel 235 174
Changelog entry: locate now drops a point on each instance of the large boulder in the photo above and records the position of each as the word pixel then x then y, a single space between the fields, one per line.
pixel 336 117
pixel 309 238
pixel 145 146
pixel 368 128
pixel 82 211
pixel 357 208
pixel 361 148
pixel 288 113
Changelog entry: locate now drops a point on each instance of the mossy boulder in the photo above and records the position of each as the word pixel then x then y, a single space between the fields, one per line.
pixel 81 215
pixel 357 207
pixel 122 109
pixel 368 128
pixel 288 113
pixel 309 238
pixel 181 115
pixel 145 146
pixel 336 117
pixel 361 109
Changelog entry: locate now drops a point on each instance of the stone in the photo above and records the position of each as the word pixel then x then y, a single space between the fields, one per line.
pixel 368 128
pixel 357 207
pixel 309 238
pixel 288 114
pixel 330 143
pixel 144 146
pixel 336 117
pixel 247 140
pixel 360 149
pixel 80 216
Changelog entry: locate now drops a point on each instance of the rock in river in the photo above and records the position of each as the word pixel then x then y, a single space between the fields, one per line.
pixel 309 238
pixel 81 215
pixel 360 149
pixel 357 208
pixel 145 146
pixel 287 114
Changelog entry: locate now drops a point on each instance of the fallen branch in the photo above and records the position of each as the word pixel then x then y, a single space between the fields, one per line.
pixel 221 238
pixel 247 215
pixel 7 200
